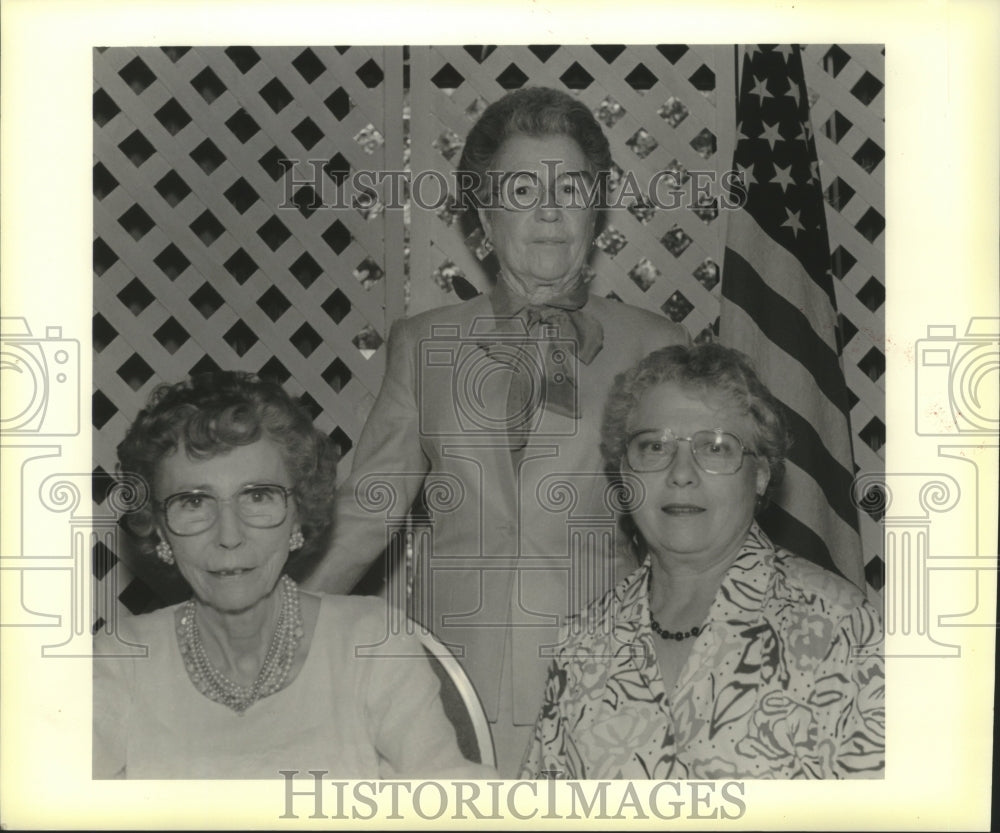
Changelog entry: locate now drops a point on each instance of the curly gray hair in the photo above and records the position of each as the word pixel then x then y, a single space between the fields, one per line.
pixel 705 367
pixel 212 413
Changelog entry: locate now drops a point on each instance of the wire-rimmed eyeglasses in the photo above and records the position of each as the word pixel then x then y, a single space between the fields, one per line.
pixel 260 505
pixel 715 451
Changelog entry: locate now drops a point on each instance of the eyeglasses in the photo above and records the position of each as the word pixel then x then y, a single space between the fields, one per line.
pixel 262 505
pixel 524 191
pixel 715 451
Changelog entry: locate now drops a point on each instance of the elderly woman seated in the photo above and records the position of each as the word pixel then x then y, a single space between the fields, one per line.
pixel 722 656
pixel 253 675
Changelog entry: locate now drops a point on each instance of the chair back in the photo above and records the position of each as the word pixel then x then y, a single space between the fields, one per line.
pixel 461 702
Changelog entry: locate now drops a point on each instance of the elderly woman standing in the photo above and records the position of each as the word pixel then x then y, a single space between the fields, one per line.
pixel 253 675
pixel 721 656
pixel 491 397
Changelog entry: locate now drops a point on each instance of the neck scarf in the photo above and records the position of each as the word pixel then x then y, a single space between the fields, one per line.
pixel 557 335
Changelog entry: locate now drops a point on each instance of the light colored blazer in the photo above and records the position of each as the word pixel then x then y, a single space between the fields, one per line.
pixel 509 550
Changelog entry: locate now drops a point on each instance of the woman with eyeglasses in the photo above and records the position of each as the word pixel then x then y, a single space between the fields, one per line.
pixel 722 656
pixel 252 675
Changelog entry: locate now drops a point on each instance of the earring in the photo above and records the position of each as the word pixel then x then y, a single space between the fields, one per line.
pixel 164 553
pixel 296 539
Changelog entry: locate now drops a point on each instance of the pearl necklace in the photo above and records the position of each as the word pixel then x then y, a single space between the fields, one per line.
pixel 277 663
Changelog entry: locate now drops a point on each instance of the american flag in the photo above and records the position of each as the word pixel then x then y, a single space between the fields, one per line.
pixel 778 306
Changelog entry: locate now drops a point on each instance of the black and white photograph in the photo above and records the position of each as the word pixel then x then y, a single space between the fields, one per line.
pixel 552 429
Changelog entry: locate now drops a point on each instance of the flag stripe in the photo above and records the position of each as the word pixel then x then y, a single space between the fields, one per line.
pixel 840 538
pixel 785 274
pixel 794 386
pixel 797 537
pixel 808 423
pixel 786 326
pixel 809 452
pixel 779 306
pixel 766 243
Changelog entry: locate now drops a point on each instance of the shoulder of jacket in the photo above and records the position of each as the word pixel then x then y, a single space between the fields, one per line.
pixel 651 322
pixel 448 314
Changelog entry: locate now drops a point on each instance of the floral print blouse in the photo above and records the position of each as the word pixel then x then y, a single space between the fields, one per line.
pixel 785 680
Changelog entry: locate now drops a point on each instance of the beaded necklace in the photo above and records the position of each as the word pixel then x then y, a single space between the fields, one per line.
pixel 678 635
pixel 665 634
pixel 273 672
